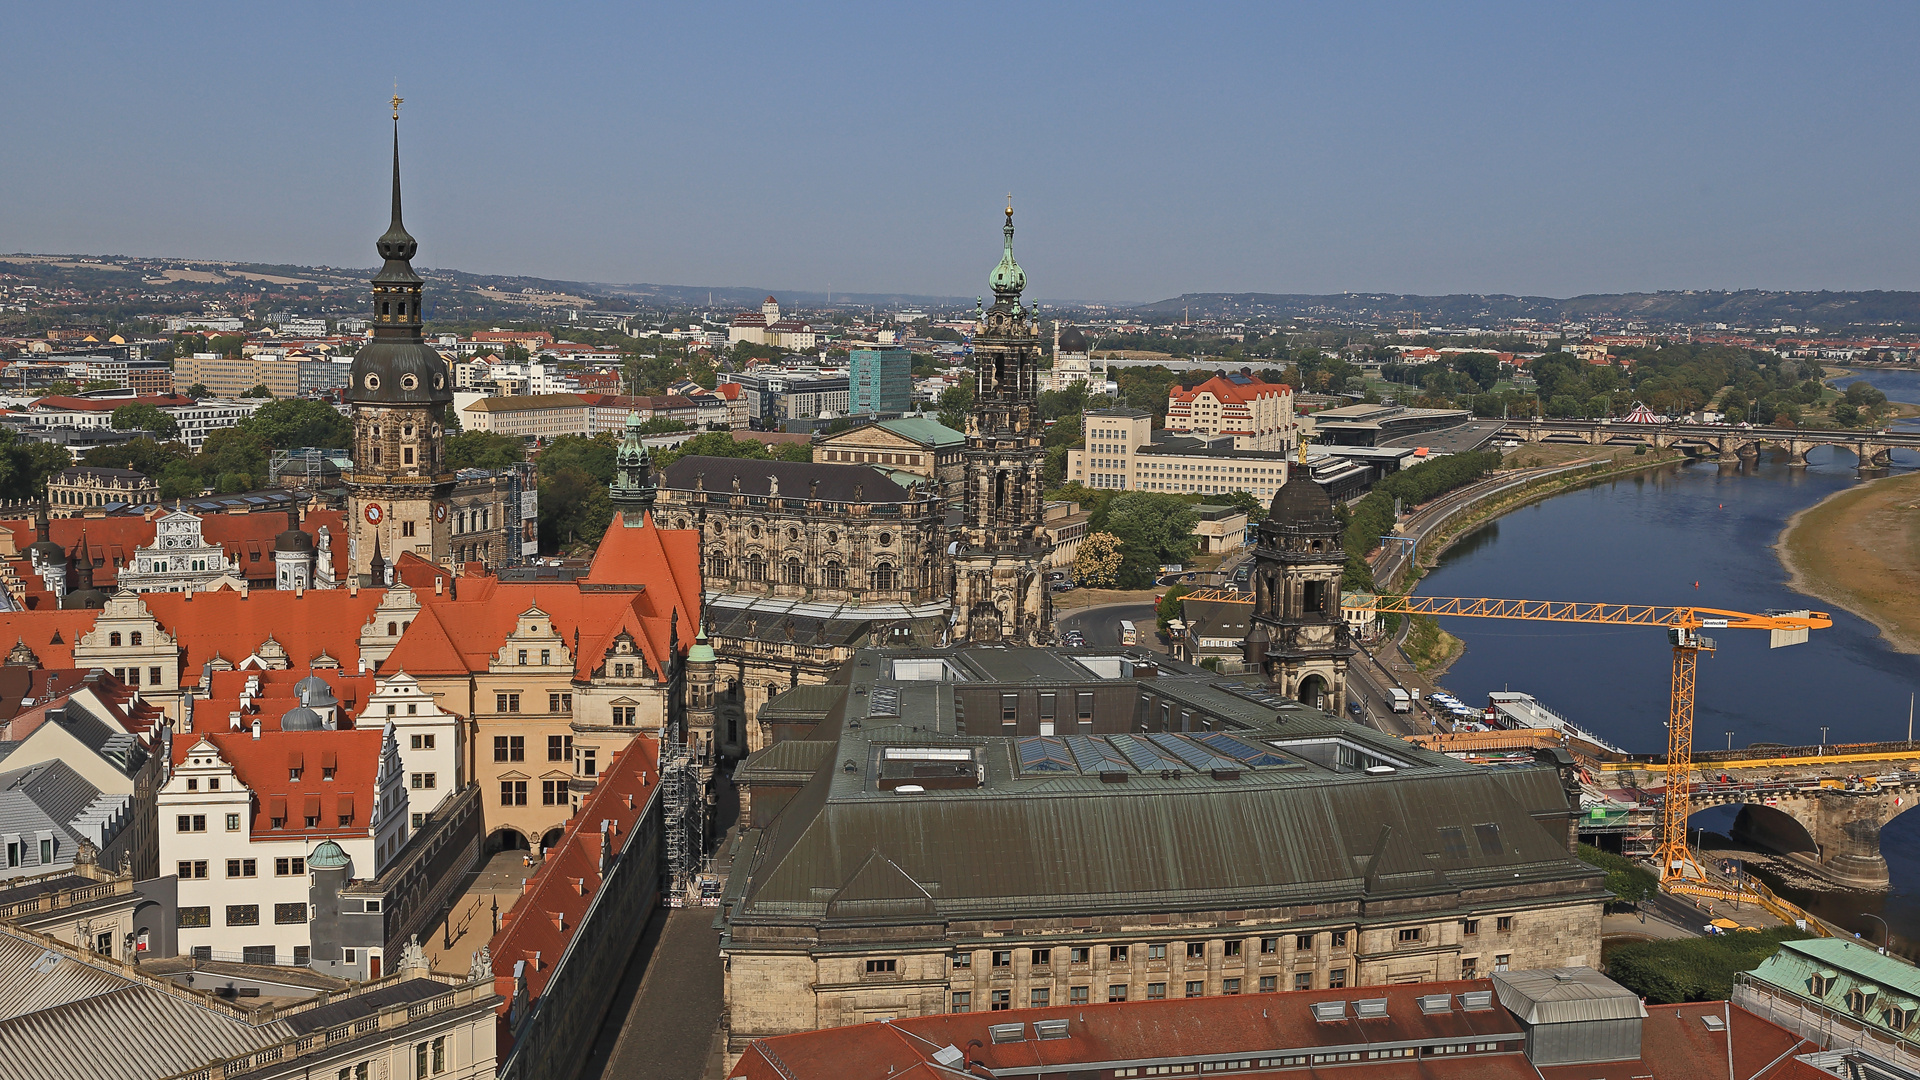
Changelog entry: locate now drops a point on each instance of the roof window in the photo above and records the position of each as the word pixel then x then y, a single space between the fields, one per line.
pixel 1007 1033
pixel 1325 1011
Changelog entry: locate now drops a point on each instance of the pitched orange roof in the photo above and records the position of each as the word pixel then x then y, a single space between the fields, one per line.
pixel 277 697
pixel 266 765
pixel 49 632
pixel 545 917
pixel 232 624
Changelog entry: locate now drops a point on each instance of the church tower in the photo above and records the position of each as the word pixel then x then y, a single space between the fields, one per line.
pixel 633 489
pixel 397 492
pixel 998 592
pixel 1298 641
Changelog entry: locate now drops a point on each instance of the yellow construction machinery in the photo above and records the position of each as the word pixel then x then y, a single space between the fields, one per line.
pixel 1683 626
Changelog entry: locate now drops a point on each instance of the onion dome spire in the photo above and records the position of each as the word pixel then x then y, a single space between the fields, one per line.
pixel 1008 279
pixel 397 245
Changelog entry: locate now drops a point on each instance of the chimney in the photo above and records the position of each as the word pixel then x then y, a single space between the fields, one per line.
pixel 439 585
pixel 233 721
pixel 256 730
pixel 353 587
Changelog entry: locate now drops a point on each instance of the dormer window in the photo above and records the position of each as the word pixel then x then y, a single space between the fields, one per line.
pixel 327 773
pixel 293 773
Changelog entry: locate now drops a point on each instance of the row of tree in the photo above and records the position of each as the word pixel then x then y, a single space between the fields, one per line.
pixel 1372 517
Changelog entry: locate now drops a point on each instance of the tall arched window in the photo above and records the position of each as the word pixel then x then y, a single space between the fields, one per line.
pixel 756 568
pixel 795 573
pixel 836 574
pixel 883 577
pixel 133 638
pixel 113 638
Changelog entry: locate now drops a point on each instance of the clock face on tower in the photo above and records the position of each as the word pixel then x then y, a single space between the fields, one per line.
pixel 373 513
pixel 440 512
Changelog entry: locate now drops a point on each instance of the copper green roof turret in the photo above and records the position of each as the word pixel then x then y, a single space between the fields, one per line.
pixel 633 489
pixel 1008 279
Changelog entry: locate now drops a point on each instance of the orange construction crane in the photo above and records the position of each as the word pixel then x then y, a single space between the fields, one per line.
pixel 1683 626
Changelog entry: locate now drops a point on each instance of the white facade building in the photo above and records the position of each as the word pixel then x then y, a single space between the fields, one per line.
pixel 243 812
pixel 180 559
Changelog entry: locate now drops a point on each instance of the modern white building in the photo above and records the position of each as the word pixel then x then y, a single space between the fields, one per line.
pixel 1122 452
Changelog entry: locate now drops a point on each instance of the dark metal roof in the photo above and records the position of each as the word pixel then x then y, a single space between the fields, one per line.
pixel 1265 809
pixel 797 479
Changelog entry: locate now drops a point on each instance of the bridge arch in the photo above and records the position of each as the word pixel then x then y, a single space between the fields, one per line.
pixel 1774 829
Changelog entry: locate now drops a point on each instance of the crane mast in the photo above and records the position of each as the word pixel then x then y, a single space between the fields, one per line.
pixel 1683 626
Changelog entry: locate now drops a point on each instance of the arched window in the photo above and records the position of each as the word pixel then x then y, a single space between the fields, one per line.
pixel 836 575
pixel 393 629
pixel 113 638
pixel 795 573
pixel 756 568
pixel 134 638
pixel 883 577
pixel 717 565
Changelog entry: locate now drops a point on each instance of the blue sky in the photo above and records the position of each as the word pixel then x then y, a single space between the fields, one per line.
pixel 1152 149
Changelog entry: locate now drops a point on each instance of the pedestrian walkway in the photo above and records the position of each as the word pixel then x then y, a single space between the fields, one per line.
pixel 488 893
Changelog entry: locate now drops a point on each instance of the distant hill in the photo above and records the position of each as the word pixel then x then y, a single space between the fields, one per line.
pixel 1751 307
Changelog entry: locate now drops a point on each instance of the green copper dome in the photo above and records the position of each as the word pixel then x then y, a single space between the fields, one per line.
pixel 1008 279
pixel 327 856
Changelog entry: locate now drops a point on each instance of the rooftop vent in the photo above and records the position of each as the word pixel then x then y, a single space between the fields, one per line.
pixel 948 1057
pixel 1226 774
pixel 1049 1029
pixel 884 701
pixel 1113 776
pixel 1007 1033
pixel 1325 1011
pixel 1430 1004
pixel 1477 1000
pixel 1370 1008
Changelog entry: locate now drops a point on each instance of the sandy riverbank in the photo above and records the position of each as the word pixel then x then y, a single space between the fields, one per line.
pixel 1859 549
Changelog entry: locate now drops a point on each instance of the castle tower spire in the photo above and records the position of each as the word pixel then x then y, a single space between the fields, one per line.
pixel 399 394
pixel 633 489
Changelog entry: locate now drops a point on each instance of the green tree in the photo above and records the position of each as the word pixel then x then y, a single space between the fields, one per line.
pixel 1168 609
pixel 1153 528
pixel 1245 502
pixel 711 444
pixel 1629 882
pixel 1068 431
pixel 100 384
pixel 1676 970
pixel 198 391
pixel 227 345
pixel 233 456
pixel 293 422
pixel 258 390
pixel 1846 413
pixel 793 451
pixel 142 455
pixel 574 507
pixel 25 466
pixel 593 456
pixel 144 418
pixel 1482 368
pixel 1097 564
pixel 62 388
pixel 180 480
pixel 663 425
pixel 484 450
pixel 955 403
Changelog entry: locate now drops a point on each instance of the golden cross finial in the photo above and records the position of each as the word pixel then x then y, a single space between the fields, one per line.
pixel 397 99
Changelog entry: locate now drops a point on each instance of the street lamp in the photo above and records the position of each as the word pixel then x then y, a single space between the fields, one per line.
pixel 1886 935
pixel 1729 740
pixel 1823 739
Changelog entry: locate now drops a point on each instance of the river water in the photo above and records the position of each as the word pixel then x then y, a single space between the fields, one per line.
pixel 1702 534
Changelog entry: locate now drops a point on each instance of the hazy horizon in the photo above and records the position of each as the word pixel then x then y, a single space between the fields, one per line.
pixel 867 149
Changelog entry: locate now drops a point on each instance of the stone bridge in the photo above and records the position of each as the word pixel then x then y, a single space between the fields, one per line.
pixel 1727 443
pixel 1819 807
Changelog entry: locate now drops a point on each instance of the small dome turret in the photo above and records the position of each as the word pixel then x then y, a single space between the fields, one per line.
pixel 301 718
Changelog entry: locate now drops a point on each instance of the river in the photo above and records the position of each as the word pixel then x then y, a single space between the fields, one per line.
pixel 1703 534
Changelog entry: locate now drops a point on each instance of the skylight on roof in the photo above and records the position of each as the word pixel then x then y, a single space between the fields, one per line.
pixel 1045 754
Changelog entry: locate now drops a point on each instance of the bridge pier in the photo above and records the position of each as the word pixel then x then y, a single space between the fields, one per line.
pixel 1830 833
pixel 1797 454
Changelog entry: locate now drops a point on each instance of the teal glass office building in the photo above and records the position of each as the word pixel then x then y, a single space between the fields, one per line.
pixel 879 380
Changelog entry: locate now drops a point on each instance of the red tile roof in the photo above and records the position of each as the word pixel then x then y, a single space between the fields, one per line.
pixel 1227 391
pixel 639 580
pixel 277 697
pixel 556 898
pixel 1675 1043
pixel 49 632
pixel 266 765
pixel 246 538
pixel 63 403
pixel 1179 1029
pixel 232 624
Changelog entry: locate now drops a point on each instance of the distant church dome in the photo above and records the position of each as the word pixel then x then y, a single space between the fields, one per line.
pixel 1301 502
pixel 1071 341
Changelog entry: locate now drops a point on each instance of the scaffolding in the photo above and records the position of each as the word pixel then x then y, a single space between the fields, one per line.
pixel 683 798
